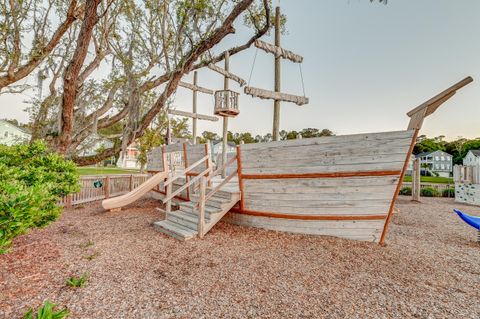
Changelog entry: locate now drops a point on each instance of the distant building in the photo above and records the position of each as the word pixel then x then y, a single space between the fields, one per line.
pixel 472 158
pixel 93 144
pixel 436 163
pixel 130 159
pixel 11 134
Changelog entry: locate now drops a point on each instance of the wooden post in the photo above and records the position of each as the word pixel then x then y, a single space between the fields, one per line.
pixel 209 163
pixel 225 118
pixel 131 182
pixel 68 201
pixel 239 174
pixel 201 207
pixel 194 104
pixel 107 187
pixel 416 180
pixel 276 103
pixel 168 192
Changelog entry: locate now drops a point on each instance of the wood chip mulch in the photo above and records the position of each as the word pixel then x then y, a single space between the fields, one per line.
pixel 429 269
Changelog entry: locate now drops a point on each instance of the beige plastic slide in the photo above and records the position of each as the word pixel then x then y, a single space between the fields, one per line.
pixel 124 200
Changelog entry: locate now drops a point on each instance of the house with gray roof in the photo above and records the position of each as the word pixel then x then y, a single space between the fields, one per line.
pixel 472 158
pixel 437 163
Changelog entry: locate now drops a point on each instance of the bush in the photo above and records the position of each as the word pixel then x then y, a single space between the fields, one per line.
pixel 448 192
pixel 406 190
pixel 429 192
pixel 47 311
pixel 32 182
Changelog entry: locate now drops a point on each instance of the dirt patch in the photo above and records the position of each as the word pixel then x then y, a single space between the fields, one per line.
pixel 430 268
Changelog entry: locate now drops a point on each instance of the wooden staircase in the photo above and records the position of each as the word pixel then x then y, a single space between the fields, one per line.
pixel 183 223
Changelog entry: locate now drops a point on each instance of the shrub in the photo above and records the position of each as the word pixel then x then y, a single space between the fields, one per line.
pixel 47 311
pixel 429 192
pixel 448 192
pixel 76 282
pixel 406 190
pixel 32 182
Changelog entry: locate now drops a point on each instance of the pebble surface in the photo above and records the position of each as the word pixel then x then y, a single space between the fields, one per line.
pixel 430 268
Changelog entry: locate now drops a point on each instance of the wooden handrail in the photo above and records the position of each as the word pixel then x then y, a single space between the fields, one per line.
pixel 217 188
pixel 219 170
pixel 190 182
pixel 186 170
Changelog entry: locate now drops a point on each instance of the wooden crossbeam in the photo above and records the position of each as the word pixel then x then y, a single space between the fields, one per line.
pixel 278 96
pixel 193 115
pixel 195 87
pixel 278 51
pixel 227 74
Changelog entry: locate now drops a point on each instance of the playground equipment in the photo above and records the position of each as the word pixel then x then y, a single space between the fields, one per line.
pixel 470 220
pixel 277 95
pixel 343 186
pixel 116 203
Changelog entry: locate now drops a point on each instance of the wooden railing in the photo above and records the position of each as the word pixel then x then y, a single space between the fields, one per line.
pixel 106 186
pixel 203 196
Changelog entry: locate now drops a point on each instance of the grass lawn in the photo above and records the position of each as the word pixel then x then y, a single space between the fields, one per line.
pixel 105 171
pixel 431 179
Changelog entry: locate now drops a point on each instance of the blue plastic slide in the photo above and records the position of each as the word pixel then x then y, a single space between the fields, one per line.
pixel 471 220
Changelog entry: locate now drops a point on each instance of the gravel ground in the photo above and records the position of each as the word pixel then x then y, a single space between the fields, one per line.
pixel 430 269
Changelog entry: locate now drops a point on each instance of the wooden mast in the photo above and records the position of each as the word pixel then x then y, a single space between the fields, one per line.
pixel 194 109
pixel 225 118
pixel 276 103
pixel 276 95
pixel 193 115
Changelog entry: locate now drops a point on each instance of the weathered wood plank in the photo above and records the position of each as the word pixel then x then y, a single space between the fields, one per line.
pixel 331 149
pixel 195 87
pixel 340 168
pixel 347 139
pixel 325 161
pixel 291 209
pixel 278 51
pixel 193 115
pixel 336 185
pixel 278 96
pixel 227 74
pixel 356 230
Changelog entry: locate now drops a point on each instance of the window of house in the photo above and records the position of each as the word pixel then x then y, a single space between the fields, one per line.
pixel 448 166
pixel 442 158
pixel 437 166
pixel 442 166
pixel 436 158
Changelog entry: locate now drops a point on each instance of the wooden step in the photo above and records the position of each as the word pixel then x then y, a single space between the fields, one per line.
pixel 184 219
pixel 213 201
pixel 194 214
pixel 175 230
pixel 190 205
pixel 223 194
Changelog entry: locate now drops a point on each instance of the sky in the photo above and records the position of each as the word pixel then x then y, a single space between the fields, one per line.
pixel 365 66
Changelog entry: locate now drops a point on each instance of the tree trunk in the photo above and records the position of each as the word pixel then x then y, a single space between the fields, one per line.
pixel 70 80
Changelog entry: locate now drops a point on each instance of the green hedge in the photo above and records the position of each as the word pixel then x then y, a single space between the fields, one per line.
pixel 406 190
pixel 429 192
pixel 448 192
pixel 32 182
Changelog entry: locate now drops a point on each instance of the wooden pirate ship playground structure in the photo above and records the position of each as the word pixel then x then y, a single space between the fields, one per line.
pixel 343 186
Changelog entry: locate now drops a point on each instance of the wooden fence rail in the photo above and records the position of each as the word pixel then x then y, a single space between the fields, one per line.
pixel 93 188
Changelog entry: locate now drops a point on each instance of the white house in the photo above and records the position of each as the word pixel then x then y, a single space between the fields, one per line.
pixel 130 158
pixel 472 158
pixel 437 162
pixel 11 134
